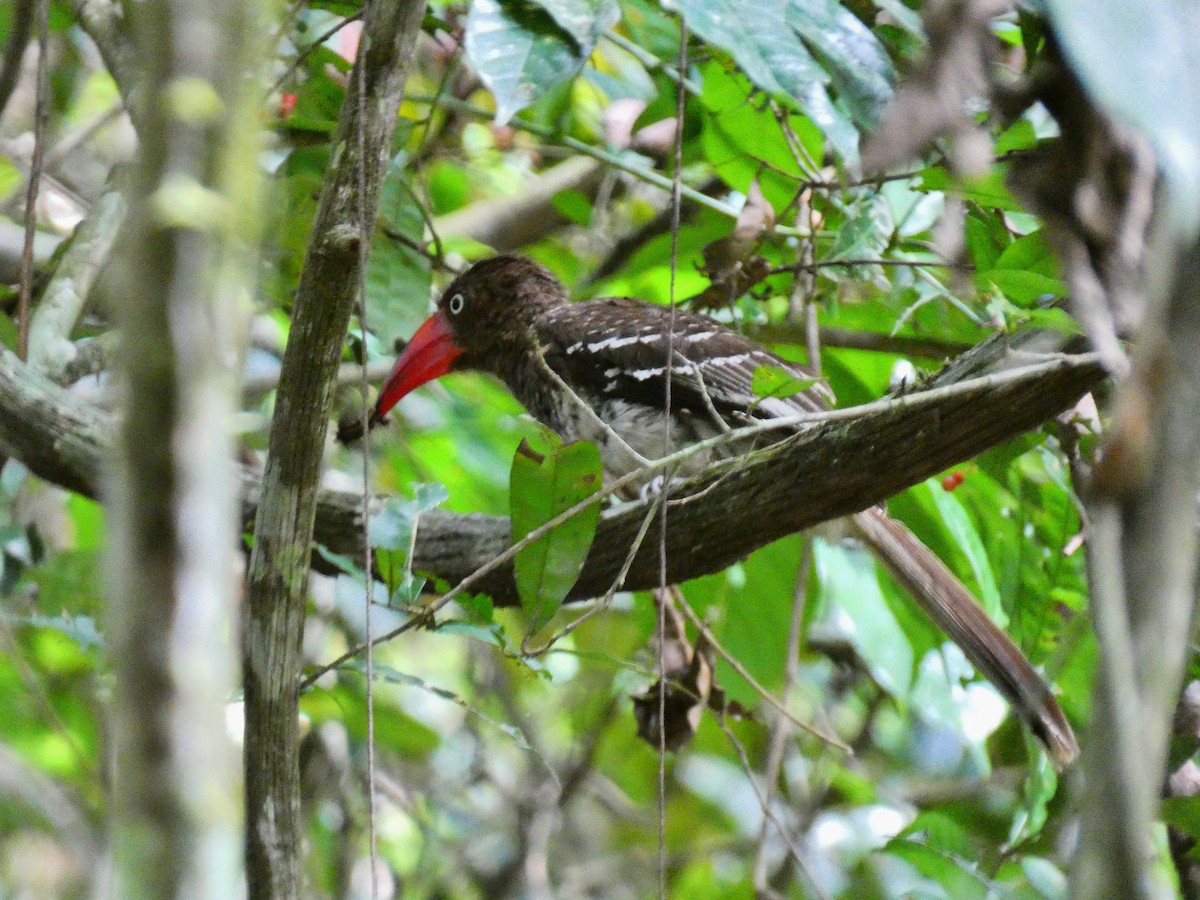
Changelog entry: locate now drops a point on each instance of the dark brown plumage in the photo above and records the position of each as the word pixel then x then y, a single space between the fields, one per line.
pixel 577 365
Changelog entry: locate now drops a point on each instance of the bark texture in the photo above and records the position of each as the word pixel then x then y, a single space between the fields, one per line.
pixel 283 530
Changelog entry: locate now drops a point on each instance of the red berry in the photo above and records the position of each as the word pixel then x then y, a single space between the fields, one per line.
pixel 287 105
pixel 953 480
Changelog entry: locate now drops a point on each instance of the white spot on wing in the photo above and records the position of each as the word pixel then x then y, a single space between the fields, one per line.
pixel 643 374
pixel 615 343
pixel 736 359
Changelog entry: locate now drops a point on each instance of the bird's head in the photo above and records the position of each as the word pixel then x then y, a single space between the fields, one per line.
pixel 481 317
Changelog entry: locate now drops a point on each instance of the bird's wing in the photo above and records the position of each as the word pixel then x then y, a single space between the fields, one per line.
pixel 618 347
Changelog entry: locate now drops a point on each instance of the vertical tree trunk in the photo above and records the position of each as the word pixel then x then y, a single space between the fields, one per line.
pixel 179 286
pixel 278 579
pixel 1142 568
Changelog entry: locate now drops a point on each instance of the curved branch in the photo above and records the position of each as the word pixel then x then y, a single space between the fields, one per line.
pixel 830 470
pixel 508 223
pixel 50 348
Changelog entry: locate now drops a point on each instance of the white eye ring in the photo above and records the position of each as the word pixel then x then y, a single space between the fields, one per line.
pixel 456 304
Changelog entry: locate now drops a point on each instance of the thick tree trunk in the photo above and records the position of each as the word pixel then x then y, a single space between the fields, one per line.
pixel 181 265
pixel 1142 569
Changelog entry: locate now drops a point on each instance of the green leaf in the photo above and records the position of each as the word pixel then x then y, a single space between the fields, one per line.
pixel 546 482
pixel 759 38
pixel 955 520
pixel 950 876
pixel 743 141
pixel 989 190
pixel 574 205
pixel 773 381
pixel 343 564
pixel 1029 252
pixel 80 629
pixel 479 608
pixel 1046 878
pixel 391 526
pixel 1041 784
pixel 10 178
pixel 856 62
pixel 520 52
pixel 1019 285
pixel 584 20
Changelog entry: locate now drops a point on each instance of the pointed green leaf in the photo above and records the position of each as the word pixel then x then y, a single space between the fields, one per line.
pixel 545 482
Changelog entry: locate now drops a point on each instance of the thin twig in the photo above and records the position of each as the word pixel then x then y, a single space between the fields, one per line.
pixel 649 60
pixel 867 261
pixel 307 51
pixel 771 699
pixel 688 367
pixel 828 336
pixel 41 115
pixel 71 142
pixel 586 409
pixel 605 601
pixel 779 731
pixel 769 813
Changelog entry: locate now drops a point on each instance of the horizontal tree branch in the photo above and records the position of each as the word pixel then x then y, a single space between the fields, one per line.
pixel 828 470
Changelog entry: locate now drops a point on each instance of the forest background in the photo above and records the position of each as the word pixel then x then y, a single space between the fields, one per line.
pixel 189 194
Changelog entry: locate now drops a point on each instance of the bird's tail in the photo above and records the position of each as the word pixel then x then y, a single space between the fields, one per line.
pixel 956 611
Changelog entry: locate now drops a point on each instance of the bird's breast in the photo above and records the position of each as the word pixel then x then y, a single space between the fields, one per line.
pixel 628 433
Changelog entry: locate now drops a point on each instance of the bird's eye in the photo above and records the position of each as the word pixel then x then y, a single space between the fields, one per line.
pixel 456 304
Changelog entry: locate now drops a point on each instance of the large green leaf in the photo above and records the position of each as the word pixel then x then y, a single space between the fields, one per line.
pixel 743 141
pixel 520 51
pixel 798 49
pixel 856 62
pixel 547 481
